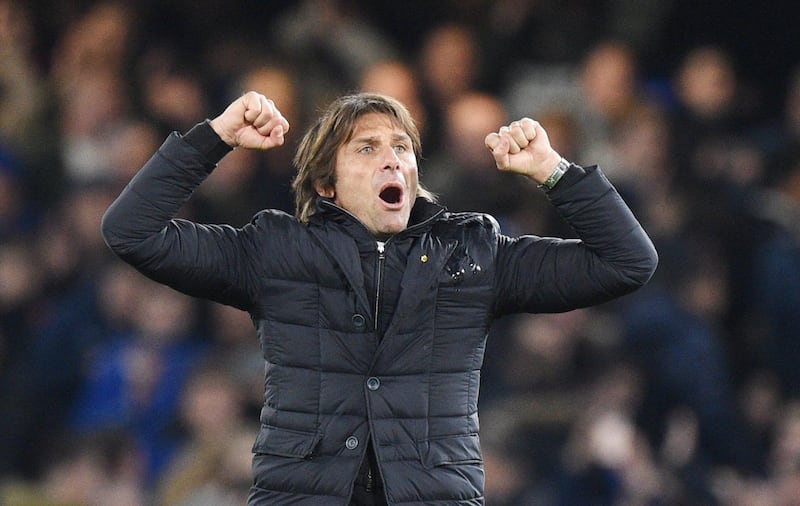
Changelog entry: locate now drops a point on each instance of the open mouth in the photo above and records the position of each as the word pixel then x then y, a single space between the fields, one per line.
pixel 392 194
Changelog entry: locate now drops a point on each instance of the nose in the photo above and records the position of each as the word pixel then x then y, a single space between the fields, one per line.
pixel 390 159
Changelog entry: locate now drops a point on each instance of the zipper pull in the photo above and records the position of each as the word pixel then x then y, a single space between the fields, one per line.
pixel 381 248
pixel 370 480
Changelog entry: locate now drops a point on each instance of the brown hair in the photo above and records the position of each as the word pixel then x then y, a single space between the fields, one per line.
pixel 316 155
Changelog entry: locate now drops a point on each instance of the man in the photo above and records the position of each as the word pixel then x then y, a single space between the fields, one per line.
pixel 372 305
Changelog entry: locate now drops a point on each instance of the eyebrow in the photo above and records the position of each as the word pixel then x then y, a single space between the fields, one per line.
pixel 373 139
pixel 401 137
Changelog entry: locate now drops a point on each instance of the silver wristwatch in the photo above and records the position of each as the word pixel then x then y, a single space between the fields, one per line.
pixel 555 177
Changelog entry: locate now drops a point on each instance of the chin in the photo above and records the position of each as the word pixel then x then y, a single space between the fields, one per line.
pixel 393 223
pixel 394 228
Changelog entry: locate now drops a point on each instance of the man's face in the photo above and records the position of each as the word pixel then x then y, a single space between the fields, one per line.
pixel 376 175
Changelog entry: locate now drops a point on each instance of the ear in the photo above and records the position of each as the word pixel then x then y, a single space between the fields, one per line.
pixel 324 191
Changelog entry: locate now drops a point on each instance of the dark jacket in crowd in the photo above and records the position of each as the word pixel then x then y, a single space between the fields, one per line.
pixel 366 341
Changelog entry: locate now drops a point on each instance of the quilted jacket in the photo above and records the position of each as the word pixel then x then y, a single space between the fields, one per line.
pixel 332 379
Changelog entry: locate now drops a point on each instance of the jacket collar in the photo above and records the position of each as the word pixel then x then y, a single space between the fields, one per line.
pixel 423 215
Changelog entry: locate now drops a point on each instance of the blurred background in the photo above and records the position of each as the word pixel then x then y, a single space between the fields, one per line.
pixel 114 390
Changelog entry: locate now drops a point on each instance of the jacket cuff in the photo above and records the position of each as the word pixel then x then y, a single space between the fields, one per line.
pixel 573 174
pixel 204 139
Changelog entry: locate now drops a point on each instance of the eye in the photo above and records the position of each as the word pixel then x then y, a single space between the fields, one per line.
pixel 366 150
pixel 401 148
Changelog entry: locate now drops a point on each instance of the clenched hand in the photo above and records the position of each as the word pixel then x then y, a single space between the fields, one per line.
pixel 251 121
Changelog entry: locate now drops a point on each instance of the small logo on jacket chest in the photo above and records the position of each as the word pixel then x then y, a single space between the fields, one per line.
pixel 459 264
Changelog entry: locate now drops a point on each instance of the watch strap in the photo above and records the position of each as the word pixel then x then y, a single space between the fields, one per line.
pixel 555 176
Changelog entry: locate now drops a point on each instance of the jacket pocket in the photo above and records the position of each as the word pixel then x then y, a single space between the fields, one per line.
pixel 286 442
pixel 461 449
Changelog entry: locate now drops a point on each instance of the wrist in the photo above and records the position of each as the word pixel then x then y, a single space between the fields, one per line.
pixel 205 139
pixel 216 125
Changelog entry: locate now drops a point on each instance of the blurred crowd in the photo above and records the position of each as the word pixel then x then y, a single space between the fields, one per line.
pixel 114 390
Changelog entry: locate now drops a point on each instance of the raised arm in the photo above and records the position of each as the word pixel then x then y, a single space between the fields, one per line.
pixel 210 261
pixel 613 255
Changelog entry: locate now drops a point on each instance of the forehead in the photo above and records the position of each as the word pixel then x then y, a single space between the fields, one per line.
pixel 374 123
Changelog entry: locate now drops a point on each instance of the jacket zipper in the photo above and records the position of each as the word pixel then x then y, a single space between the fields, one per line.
pixel 379 279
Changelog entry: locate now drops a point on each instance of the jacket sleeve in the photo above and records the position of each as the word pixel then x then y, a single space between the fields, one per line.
pixel 612 256
pixel 210 261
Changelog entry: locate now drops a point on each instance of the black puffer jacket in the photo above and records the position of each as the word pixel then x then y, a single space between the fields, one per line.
pixel 331 383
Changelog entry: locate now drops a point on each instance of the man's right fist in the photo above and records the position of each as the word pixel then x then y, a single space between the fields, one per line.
pixel 251 121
